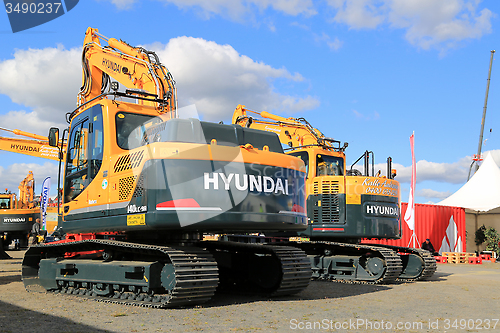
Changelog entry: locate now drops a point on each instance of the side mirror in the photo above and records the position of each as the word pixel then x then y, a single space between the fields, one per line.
pixel 53 136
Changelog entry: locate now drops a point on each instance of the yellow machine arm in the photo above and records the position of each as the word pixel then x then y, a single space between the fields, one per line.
pixel 26 191
pixel 294 132
pixel 38 147
pixel 138 69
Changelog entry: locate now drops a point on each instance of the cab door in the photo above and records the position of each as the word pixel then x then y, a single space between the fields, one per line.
pixel 83 163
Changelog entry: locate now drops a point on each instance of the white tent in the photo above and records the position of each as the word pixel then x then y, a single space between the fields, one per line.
pixel 480 197
pixel 482 192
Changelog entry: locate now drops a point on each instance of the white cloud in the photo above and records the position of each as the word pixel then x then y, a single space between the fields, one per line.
pixel 453 173
pixel 301 26
pixel 216 78
pixel 234 9
pixel 432 194
pixel 46 80
pixel 334 44
pixel 364 117
pixel 11 176
pixel 42 77
pixel 442 24
pixel 30 122
pixel 428 23
pixel 123 4
pixel 358 14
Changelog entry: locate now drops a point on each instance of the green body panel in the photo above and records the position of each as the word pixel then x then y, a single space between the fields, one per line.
pixel 144 275
pixel 16 222
pixel 186 195
pixel 376 217
pixel 209 202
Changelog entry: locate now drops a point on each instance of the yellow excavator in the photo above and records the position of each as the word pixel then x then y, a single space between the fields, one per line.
pixel 17 215
pixel 37 145
pixel 141 187
pixel 344 205
pixel 32 145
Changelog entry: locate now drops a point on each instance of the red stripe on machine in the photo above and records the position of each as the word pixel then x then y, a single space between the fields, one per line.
pixel 328 229
pixel 178 203
pixel 184 205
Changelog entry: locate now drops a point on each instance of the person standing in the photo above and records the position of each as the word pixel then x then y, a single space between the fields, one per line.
pixel 35 231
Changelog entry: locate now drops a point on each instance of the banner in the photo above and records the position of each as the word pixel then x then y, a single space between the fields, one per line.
pixel 44 200
pixel 410 212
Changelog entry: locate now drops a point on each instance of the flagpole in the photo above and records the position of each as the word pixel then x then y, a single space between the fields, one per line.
pixel 410 210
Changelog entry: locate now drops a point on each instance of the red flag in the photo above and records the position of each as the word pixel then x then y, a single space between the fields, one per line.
pixel 410 212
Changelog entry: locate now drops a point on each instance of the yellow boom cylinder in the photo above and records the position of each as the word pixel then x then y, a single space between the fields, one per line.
pixel 121 46
pixel 29 135
pixel 272 116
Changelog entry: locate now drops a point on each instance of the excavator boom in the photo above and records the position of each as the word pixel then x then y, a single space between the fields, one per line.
pixel 26 191
pixel 295 132
pixel 135 67
pixel 38 146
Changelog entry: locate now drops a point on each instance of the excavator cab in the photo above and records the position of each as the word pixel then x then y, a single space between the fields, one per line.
pixel 5 201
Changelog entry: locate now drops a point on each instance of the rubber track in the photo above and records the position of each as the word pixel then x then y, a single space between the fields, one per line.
pixel 430 265
pixel 196 272
pixel 394 265
pixel 295 266
pixel 296 270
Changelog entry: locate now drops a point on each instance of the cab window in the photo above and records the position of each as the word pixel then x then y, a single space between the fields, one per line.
pixel 85 152
pixel 4 203
pixel 130 128
pixel 329 166
pixel 77 162
pixel 305 157
pixel 96 144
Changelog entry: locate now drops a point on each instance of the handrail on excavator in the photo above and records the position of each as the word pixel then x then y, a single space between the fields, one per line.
pixel 296 132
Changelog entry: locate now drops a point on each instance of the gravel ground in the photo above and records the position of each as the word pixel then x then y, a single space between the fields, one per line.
pixel 458 296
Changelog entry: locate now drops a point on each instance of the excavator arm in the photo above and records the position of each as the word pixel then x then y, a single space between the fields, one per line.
pixel 37 148
pixel 294 132
pixel 135 67
pixel 26 191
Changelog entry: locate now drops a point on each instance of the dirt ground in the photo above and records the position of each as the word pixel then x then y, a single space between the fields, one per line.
pixel 461 298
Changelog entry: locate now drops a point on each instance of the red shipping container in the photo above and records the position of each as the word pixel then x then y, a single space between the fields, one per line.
pixel 443 225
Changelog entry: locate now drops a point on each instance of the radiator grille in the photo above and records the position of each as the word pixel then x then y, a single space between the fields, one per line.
pixel 130 161
pixel 139 188
pixel 125 186
pixel 329 210
pixel 326 187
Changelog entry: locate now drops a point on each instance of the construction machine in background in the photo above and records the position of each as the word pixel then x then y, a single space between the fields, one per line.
pixel 37 145
pixel 17 215
pixel 344 205
pixel 141 187
pixel 20 212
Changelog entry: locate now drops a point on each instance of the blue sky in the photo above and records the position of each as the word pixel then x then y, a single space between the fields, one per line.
pixel 367 72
